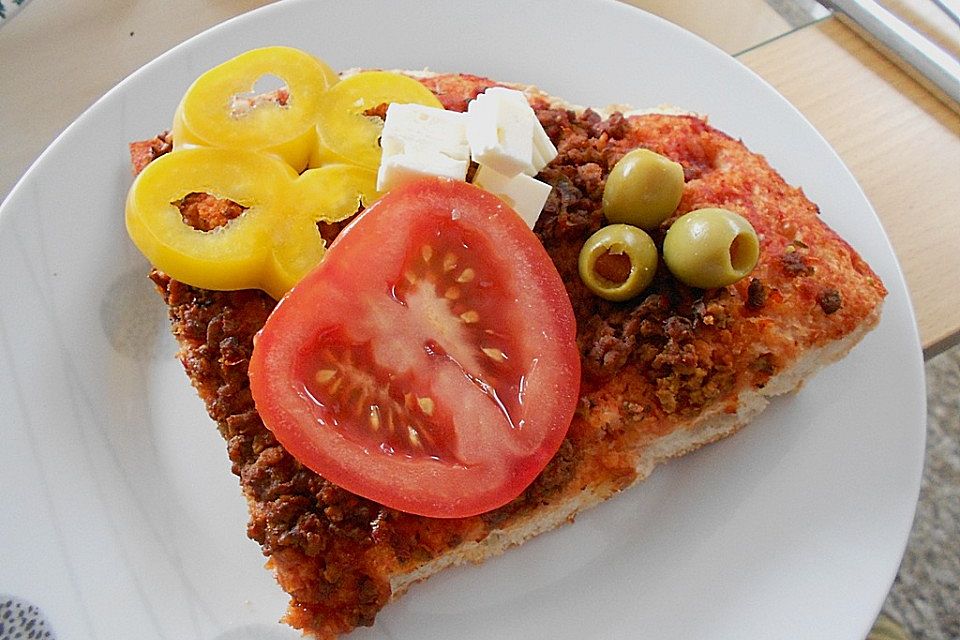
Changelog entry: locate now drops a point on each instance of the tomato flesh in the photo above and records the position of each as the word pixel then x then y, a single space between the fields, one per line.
pixel 429 363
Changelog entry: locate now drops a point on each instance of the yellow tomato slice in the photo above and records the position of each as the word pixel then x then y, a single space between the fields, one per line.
pixel 219 109
pixel 345 133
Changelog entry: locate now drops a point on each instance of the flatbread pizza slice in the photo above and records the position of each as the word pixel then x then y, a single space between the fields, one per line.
pixel 663 373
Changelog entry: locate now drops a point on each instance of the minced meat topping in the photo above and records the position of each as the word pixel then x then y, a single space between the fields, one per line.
pixel 655 331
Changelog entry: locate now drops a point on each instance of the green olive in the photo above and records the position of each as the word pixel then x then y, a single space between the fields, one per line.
pixel 643 189
pixel 618 262
pixel 711 248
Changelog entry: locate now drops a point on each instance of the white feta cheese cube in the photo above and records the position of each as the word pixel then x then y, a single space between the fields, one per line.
pixel 524 194
pixel 420 141
pixel 543 150
pixel 404 167
pixel 416 126
pixel 500 133
pixel 508 95
pixel 505 134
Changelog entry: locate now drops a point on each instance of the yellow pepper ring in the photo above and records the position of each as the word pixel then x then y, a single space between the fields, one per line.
pixel 330 194
pixel 233 256
pixel 334 192
pixel 214 111
pixel 345 134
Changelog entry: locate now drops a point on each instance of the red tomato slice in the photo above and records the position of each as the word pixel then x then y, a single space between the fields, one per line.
pixel 429 363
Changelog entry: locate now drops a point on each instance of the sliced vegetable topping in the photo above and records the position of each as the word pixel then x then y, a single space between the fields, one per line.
pixel 429 363
pixel 347 123
pixel 223 109
pixel 334 192
pixel 270 245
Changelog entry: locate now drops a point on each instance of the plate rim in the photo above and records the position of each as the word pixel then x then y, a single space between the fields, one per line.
pixel 7 208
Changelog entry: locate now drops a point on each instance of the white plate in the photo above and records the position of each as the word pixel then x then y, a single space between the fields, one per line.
pixel 120 517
